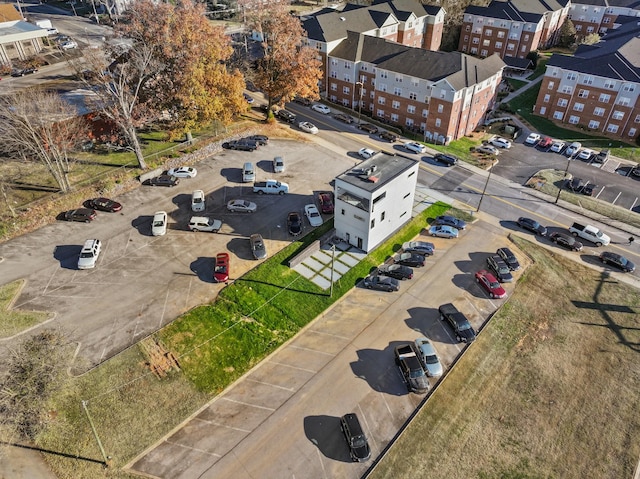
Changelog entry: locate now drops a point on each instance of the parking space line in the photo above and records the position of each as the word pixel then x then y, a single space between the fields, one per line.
pixel 213 423
pixel 311 350
pixel 324 472
pixel 49 282
pixel 291 390
pixel 247 404
pixel 614 201
pixel 164 308
pixel 364 417
pixel 193 448
pixel 634 204
pixel 600 192
pixel 294 367
pixel 384 400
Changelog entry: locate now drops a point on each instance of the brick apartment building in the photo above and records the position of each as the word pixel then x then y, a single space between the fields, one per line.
pixel 598 87
pixel 443 95
pixel 512 28
pixel 407 22
pixel 598 16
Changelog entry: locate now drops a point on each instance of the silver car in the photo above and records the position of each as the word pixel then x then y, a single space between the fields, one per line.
pixel 429 357
pixel 242 206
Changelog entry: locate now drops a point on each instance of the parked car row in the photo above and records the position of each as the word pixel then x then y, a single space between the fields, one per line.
pixel 573 149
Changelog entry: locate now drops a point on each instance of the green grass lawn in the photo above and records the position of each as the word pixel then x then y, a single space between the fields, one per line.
pixel 14 322
pixel 516 84
pixel 462 149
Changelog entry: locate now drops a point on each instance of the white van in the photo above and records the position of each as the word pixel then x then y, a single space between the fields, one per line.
pixel 197 201
pixel 89 254
pixel 202 223
pixel 248 173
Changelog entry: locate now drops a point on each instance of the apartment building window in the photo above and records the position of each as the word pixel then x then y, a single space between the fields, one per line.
pixel 468 28
pixel 347 65
pixel 574 120
pixel 612 128
pixel 500 34
pixel 464 48
pixel 513 36
pixel 583 93
pixel 411 109
pixel 415 82
pixel 413 96
pixel 334 62
pixel 438 122
pixel 550 85
pixel 578 28
pixel 563 102
pixel 483 53
pixel 617 115
pixel 624 101
pixel 372 95
pixel 394 117
pixel 588 80
pixel 346 90
pixel 567 89
pixel 637 120
pixel 334 87
pixel 425 113
pixel 409 122
pixel 523 49
pixel 516 26
pixel 486 43
pixel 543 110
pixel 380 113
pixel 558 115
pixel 443 93
pixel 333 74
pixel 382 87
pixel 398 79
pixel 598 111
pixel 607 20
pixel 347 78
pixel 604 98
pixel 594 125
pixel 395 104
pixel 474 51
pixel 488 32
pixel 397 91
pixel 440 108
pixel 546 98
pixel 383 74
pixel 510 46
pixel 498 44
pixel 578 106
pixel 363 68
pixel 526 38
pixel 571 76
pixel 632 132
pixel 381 100
pixel 610 84
pixel 629 88
pixel 333 98
pixel 475 41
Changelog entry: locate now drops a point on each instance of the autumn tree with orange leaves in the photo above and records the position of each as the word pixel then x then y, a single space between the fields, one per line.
pixel 288 67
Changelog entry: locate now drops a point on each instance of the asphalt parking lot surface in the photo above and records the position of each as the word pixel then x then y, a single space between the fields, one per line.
pixel 142 282
pixel 282 418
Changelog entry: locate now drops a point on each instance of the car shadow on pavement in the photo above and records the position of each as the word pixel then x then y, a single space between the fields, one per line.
pixel 143 224
pixel 324 432
pixel 265 165
pixel 232 174
pixel 476 262
pixel 241 248
pixel 467 282
pixel 203 267
pixel 385 380
pixel 426 321
pixel 67 255
pixel 182 200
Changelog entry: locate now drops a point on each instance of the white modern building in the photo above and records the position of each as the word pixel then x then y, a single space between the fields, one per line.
pixel 374 199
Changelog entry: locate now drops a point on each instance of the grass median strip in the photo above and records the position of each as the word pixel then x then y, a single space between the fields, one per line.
pixel 13 321
pixel 547 390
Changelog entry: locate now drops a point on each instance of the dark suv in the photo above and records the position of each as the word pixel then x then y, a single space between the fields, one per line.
pixel 448 160
pixel 500 268
pixel 458 322
pixel 286 115
pixel 164 180
pixel 368 127
pixel 356 440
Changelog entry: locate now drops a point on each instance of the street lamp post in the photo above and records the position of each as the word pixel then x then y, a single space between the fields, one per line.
pixel 486 183
pixel 564 178
pixel 360 84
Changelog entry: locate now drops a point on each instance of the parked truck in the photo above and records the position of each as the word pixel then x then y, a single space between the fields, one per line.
pixel 411 368
pixel 270 187
pixel 590 233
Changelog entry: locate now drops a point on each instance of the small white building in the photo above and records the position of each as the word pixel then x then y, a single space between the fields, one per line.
pixel 374 199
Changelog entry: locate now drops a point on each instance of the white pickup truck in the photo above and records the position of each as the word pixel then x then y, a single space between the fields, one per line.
pixel 270 187
pixel 590 233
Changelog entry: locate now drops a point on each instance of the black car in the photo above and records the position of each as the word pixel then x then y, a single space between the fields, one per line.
pixel 601 157
pixel 368 127
pixel 450 221
pixel 356 440
pixel 302 100
pixel 566 241
pixel 396 271
pixel 343 117
pixel 241 145
pixel 294 223
pixel 258 139
pixel 388 136
pixel 410 259
pixel 618 261
pixel 532 225
pixel 508 257
pixel 636 171
pixel 588 189
pixel 84 215
pixel 286 115
pixel 500 268
pixel 164 180
pixel 105 204
pixel 381 283
pixel 575 184
pixel 458 322
pixel 448 160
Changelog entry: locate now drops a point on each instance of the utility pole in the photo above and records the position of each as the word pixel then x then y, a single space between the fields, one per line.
pixel 360 84
pixel 95 433
pixel 564 178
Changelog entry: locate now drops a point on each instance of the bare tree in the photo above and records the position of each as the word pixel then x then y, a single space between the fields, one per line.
pixel 40 126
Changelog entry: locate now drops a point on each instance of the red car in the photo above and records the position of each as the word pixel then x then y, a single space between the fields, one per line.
pixel 326 203
pixel 490 284
pixel 546 142
pixel 221 268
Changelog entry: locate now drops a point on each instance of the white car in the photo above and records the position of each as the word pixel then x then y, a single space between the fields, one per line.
pixel 532 139
pixel 313 215
pixel 308 127
pixel 573 148
pixel 366 153
pixel 183 172
pixel 429 357
pixel 70 45
pixel 557 146
pixel 487 150
pixel 324 109
pixel 586 154
pixel 202 223
pixel 89 254
pixel 197 201
pixel 414 147
pixel 500 142
pixel 159 223
pixel 242 206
